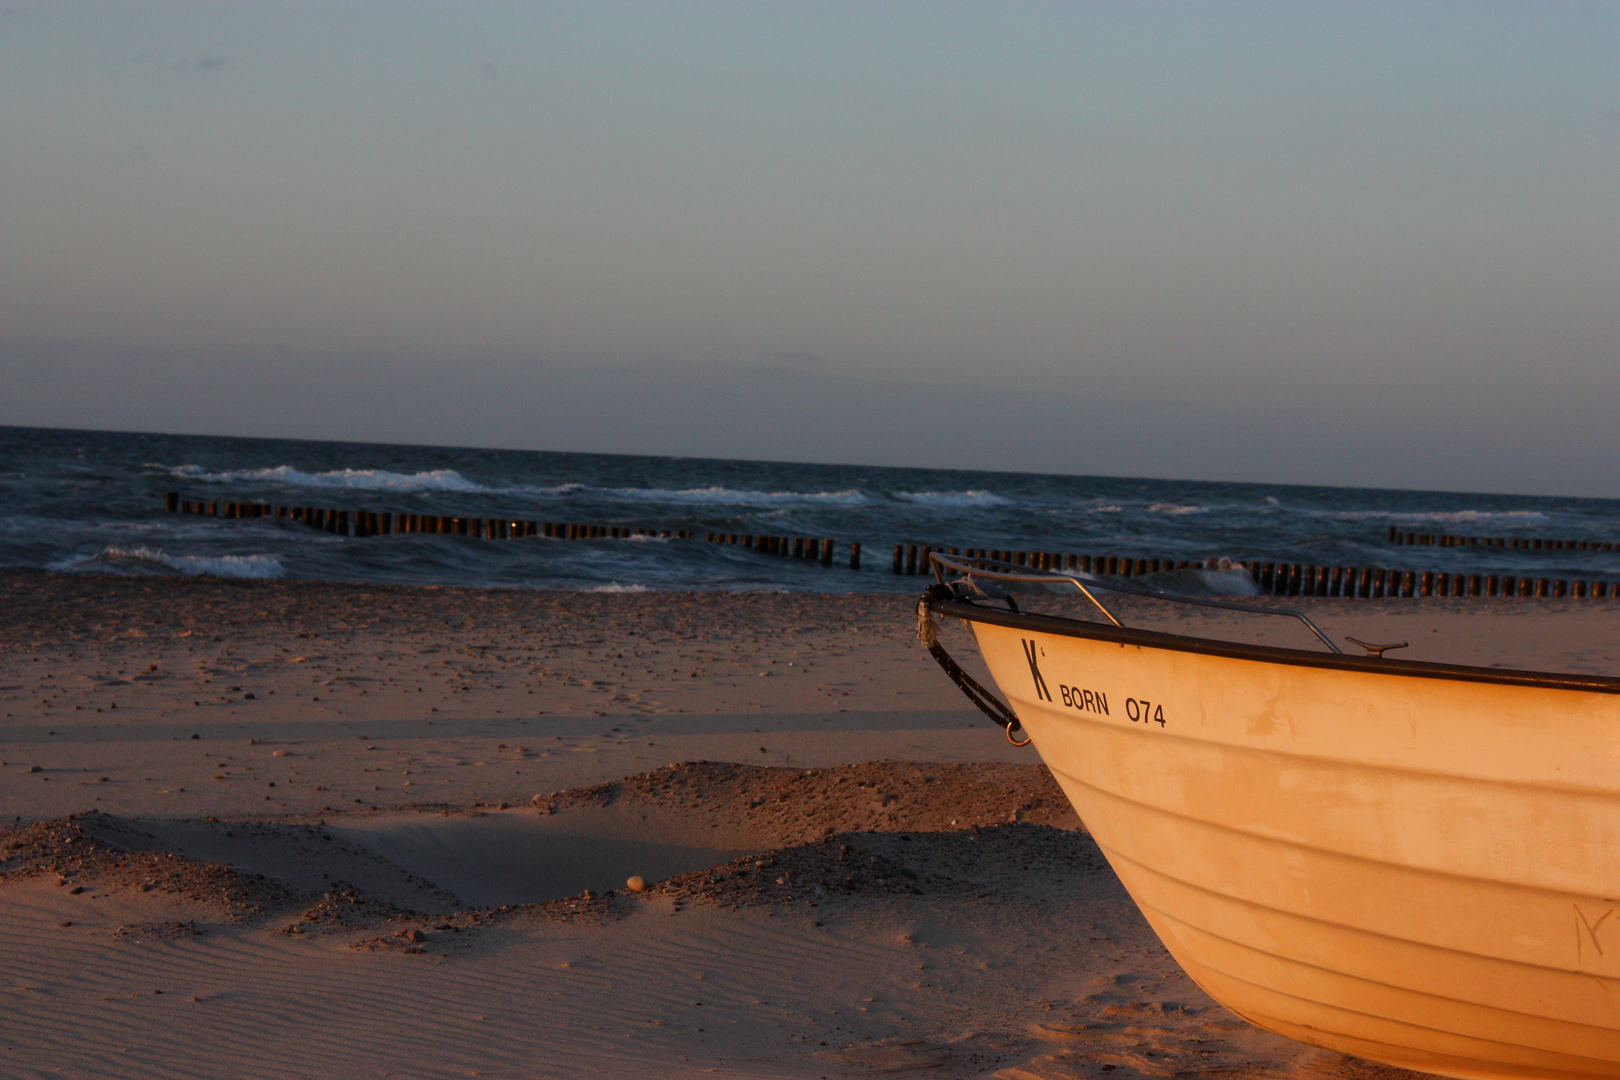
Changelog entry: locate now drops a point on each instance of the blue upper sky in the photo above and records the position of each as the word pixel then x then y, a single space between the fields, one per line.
pixel 1354 244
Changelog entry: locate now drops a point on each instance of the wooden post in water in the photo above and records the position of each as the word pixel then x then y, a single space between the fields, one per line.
pixel 854 554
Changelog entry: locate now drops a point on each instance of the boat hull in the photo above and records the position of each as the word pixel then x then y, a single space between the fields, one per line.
pixel 1418 869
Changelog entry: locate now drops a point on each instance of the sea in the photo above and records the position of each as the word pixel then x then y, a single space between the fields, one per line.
pixel 91 502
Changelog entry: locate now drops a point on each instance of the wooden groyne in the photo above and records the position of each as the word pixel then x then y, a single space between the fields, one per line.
pixel 1522 543
pixel 1271 578
pixel 1293 579
pixel 365 523
pixel 1282 579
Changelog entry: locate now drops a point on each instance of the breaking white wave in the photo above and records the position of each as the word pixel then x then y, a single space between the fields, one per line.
pixel 1450 517
pixel 615 587
pixel 1176 509
pixel 144 560
pixel 951 498
pixel 724 496
pixel 1228 581
pixel 350 479
pixel 705 496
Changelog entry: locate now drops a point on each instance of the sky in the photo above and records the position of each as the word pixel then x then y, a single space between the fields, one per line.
pixel 1360 244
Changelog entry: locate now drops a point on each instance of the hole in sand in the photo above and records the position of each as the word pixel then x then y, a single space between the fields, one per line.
pixel 430 861
pixel 520 857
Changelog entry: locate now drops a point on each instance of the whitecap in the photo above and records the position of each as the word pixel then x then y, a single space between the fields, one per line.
pixel 952 498
pixel 1176 509
pixel 715 495
pixel 1442 516
pixel 350 479
pixel 1229 580
pixel 144 560
pixel 725 496
pixel 615 587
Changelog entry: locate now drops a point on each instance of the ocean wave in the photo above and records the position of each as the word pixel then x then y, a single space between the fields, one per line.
pixel 144 560
pixel 1231 580
pixel 350 479
pixel 1176 509
pixel 708 496
pixel 615 587
pixel 1446 517
pixel 734 496
pixel 951 498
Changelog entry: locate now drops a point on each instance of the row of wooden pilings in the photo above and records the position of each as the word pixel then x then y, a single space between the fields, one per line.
pixel 794 547
pixel 913 559
pixel 1273 579
pixel 1294 579
pixel 1282 579
pixel 373 523
pixel 1526 543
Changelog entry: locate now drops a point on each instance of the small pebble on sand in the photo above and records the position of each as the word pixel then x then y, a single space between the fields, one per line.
pixel 635 883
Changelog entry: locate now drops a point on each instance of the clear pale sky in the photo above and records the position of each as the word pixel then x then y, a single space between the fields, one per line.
pixel 1322 243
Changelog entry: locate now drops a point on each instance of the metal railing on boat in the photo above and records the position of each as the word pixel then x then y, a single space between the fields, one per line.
pixel 969 570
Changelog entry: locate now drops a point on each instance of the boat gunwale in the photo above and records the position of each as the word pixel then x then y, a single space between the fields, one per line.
pixel 1271 654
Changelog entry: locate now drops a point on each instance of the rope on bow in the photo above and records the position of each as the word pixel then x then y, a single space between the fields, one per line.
pixel 988 703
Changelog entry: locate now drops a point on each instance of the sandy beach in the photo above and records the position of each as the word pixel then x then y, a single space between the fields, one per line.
pixel 304 829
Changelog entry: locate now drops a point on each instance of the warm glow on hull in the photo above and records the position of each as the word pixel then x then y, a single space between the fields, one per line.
pixel 1420 870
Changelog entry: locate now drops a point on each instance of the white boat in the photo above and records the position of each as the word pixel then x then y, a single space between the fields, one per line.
pixel 1410 862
